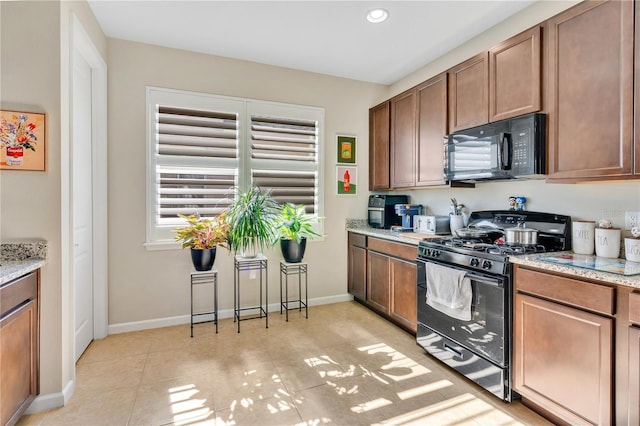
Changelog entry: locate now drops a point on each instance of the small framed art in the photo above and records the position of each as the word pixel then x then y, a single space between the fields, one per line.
pixel 346 149
pixel 347 180
pixel 22 140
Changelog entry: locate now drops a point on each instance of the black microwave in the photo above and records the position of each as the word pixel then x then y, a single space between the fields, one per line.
pixel 506 149
pixel 381 210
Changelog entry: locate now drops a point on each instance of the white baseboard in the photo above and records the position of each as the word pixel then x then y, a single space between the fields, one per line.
pixel 226 313
pixel 52 400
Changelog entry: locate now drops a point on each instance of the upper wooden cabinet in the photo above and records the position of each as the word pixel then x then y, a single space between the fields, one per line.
pixel 636 79
pixel 469 93
pixel 379 120
pixel 515 76
pixel 590 91
pixel 418 129
pixel 403 139
pixel 432 130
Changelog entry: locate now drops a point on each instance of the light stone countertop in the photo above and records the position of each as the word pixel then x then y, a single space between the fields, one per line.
pixel 360 226
pixel 607 277
pixel 18 258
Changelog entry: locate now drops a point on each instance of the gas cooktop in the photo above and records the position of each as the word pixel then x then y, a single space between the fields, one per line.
pixel 492 255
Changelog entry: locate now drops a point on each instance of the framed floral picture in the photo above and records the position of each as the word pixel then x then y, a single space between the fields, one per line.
pixel 22 140
pixel 346 149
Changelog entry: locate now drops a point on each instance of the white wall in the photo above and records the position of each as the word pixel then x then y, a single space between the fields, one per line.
pixel 147 285
pixel 34 51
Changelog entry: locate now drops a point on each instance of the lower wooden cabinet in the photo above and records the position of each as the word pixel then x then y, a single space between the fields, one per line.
pixel 19 347
pixel 387 282
pixel 403 305
pixel 563 346
pixel 378 281
pixel 634 375
pixel 357 266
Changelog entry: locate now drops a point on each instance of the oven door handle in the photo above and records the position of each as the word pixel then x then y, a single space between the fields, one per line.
pixel 452 350
pixel 484 280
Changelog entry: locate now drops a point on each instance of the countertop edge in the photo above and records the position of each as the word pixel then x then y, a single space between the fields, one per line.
pixel 605 277
pixel 384 234
pixel 10 270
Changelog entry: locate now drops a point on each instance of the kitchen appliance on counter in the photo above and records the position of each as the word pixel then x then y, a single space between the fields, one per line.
pixel 507 149
pixel 381 210
pixel 475 338
pixel 433 225
pixel 406 212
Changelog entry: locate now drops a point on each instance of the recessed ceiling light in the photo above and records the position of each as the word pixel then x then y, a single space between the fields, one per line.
pixel 377 15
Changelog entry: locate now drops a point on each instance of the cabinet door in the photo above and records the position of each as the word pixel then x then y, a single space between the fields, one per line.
pixel 18 361
pixel 403 139
pixel 563 360
pixel 515 76
pixel 634 376
pixel 404 293
pixel 590 90
pixel 468 93
pixel 379 119
pixel 378 281
pixel 432 130
pixel 636 79
pixel 357 279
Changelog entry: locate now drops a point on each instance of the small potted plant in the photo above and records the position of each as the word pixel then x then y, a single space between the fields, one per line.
pixel 251 218
pixel 202 236
pixel 293 228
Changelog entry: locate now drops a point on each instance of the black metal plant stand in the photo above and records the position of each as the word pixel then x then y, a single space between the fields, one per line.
pixel 242 264
pixel 205 277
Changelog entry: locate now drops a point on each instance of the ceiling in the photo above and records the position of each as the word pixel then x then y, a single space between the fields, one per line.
pixel 327 37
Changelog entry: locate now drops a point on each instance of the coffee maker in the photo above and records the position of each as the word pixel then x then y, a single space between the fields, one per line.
pixel 407 212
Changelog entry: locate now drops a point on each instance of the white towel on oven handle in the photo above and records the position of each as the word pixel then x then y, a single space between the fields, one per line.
pixel 449 291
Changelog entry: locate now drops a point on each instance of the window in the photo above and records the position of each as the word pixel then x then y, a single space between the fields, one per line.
pixel 201 146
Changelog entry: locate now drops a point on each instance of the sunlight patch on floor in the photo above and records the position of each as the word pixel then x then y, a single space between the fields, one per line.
pixel 371 405
pixel 458 410
pixel 421 390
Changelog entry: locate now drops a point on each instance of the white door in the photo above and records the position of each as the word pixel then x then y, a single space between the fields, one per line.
pixel 82 202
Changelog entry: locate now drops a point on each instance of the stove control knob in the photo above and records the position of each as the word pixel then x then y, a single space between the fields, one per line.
pixel 474 262
pixel 486 264
pixel 436 253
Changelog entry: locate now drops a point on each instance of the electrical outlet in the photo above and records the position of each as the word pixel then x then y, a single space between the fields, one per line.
pixel 631 219
pixel 252 275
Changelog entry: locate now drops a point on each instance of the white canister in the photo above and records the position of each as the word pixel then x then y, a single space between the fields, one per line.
pixel 608 242
pixel 583 236
pixel 455 222
pixel 632 249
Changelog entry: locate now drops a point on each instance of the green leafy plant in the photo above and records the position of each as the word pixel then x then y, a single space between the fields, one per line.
pixel 252 220
pixel 294 224
pixel 202 233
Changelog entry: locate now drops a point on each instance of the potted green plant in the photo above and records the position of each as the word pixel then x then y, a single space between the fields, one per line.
pixel 293 227
pixel 202 236
pixel 252 221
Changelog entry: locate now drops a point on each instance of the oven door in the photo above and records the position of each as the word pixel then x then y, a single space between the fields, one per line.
pixel 486 334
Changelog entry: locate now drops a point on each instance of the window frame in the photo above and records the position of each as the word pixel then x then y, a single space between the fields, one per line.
pixel 160 237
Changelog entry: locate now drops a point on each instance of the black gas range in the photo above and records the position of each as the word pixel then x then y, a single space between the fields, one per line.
pixel 489 253
pixel 465 293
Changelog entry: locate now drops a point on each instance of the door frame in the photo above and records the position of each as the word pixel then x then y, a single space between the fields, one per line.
pixel 81 43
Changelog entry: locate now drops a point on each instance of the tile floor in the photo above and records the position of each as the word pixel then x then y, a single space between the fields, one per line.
pixel 344 365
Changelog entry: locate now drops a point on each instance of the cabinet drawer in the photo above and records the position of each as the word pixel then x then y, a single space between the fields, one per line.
pixel 357 240
pixel 18 291
pixel 634 307
pixel 402 251
pixel 597 298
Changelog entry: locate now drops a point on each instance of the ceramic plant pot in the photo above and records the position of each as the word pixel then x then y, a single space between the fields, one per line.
pixel 292 251
pixel 203 259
